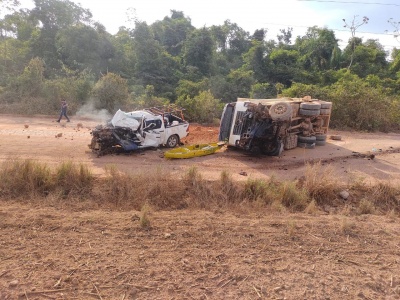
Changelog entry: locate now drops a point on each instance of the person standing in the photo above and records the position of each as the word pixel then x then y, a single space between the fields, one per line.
pixel 64 107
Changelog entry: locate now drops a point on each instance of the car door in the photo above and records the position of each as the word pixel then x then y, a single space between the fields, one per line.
pixel 151 132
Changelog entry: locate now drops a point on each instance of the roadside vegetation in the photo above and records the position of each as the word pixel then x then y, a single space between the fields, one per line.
pixel 71 185
pixel 56 51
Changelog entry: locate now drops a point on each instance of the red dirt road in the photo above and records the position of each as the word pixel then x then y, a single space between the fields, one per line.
pixel 39 142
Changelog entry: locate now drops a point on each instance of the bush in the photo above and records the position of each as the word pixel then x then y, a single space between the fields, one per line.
pixel 110 92
pixel 203 108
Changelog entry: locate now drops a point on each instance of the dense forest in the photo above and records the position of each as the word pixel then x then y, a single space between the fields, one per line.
pixel 55 50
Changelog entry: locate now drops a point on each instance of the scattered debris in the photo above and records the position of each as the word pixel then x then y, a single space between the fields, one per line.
pixel 28 136
pixel 336 137
pixel 58 135
pixel 243 173
pixel 26 126
pixel 344 194
pixel 13 283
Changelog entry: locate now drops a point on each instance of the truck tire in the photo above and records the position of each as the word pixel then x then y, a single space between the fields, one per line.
pixel 280 111
pixel 325 111
pixel 310 105
pixel 309 112
pixel 326 104
pixel 336 137
pixel 272 149
pixel 320 143
pixel 172 141
pixel 306 139
pixel 320 137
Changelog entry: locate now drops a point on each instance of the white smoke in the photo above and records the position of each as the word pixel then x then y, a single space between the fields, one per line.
pixel 89 111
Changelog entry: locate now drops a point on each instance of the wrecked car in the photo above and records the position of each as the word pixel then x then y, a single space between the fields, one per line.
pixel 147 128
pixel 269 126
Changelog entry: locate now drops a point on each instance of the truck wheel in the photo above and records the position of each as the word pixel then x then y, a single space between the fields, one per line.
pixel 320 137
pixel 280 111
pixel 172 141
pixel 326 104
pixel 309 112
pixel 306 139
pixel 310 105
pixel 325 111
pixel 272 149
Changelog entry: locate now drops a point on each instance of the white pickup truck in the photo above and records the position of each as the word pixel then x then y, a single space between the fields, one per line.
pixel 150 127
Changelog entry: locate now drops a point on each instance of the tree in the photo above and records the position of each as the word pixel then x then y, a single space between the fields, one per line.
pixel 255 61
pixel 365 58
pixel 153 65
pixel 54 15
pixel 263 91
pixel 283 65
pixel 199 50
pixel 83 47
pixel 318 49
pixel 353 26
pixel 231 41
pixel 286 36
pixel 30 83
pixel 203 108
pixel 172 32
pixel 396 28
pixel 110 92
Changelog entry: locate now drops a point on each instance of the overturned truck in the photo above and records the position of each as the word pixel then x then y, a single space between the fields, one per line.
pixel 147 128
pixel 269 126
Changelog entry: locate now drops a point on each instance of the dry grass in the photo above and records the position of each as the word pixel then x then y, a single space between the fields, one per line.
pixel 24 179
pixel 260 190
pixel 32 180
pixel 385 194
pixel 199 191
pixel 321 183
pixel 312 208
pixel 75 179
pixel 291 228
pixel 347 226
pixel 292 197
pixel 366 207
pixel 144 217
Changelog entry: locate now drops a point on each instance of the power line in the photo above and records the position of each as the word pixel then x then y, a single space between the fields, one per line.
pixel 353 2
pixel 344 30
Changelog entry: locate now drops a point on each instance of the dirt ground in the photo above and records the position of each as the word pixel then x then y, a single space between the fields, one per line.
pixel 51 252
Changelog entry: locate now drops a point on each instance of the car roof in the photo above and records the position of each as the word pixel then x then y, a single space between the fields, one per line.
pixel 142 113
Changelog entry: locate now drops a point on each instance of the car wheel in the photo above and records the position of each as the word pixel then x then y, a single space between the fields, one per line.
pixel 172 141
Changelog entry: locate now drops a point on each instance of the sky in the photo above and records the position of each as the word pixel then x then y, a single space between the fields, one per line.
pixel 257 14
